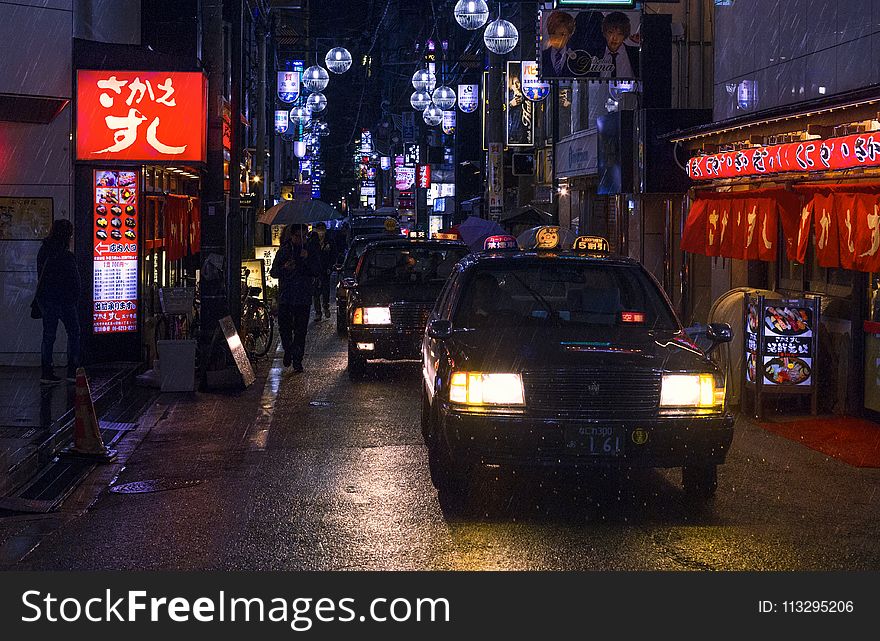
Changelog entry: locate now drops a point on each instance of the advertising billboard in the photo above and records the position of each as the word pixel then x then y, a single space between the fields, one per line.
pixel 288 86
pixel 141 116
pixel 468 98
pixel 520 111
pixel 589 44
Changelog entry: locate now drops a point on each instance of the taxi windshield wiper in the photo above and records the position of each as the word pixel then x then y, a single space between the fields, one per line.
pixel 536 296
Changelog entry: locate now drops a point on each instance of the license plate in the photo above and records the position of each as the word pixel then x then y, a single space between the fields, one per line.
pixel 594 440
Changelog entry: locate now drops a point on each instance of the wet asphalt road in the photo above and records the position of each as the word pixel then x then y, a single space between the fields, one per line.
pixel 314 472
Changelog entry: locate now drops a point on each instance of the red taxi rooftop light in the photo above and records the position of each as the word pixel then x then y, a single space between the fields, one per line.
pixel 632 317
pixel 500 242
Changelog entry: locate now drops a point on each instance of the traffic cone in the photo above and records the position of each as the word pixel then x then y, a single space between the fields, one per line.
pixel 87 441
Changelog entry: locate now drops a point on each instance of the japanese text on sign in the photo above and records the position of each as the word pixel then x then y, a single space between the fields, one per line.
pixel 141 115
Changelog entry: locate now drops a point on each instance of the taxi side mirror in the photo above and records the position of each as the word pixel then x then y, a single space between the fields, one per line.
pixel 349 283
pixel 719 333
pixel 440 329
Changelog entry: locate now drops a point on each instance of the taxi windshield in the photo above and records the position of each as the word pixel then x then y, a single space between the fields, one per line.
pixel 568 294
pixel 403 265
pixel 355 252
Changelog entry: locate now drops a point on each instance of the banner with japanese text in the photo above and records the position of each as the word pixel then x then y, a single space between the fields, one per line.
pixel 141 116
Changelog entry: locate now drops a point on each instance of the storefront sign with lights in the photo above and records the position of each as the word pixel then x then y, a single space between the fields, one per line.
pixel 141 116
pixel 847 152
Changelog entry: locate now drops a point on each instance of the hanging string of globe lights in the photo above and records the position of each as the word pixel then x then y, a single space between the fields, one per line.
pixel 338 60
pixel 471 14
pixel 500 36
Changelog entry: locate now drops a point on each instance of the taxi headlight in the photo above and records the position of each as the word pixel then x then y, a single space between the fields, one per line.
pixel 480 388
pixel 691 390
pixel 371 316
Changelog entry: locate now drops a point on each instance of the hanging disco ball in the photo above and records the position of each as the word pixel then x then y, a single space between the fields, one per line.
pixel 424 80
pixel 420 100
pixel 500 36
pixel 338 60
pixel 444 97
pixel 316 78
pixel 433 115
pixel 471 14
pixel 316 103
pixel 300 115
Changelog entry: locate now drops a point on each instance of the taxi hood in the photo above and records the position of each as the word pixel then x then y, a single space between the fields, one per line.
pixel 540 347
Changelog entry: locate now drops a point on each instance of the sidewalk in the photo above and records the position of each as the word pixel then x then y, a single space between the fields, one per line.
pixel 36 421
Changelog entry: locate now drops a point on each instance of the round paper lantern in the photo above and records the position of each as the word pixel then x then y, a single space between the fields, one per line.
pixel 338 60
pixel 316 103
pixel 316 78
pixel 433 115
pixel 424 80
pixel 420 100
pixel 444 97
pixel 471 14
pixel 500 36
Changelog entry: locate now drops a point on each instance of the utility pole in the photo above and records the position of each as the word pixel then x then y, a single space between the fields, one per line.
pixel 233 218
pixel 262 117
pixel 213 223
pixel 495 93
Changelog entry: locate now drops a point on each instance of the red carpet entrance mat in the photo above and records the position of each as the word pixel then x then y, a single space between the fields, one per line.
pixel 851 440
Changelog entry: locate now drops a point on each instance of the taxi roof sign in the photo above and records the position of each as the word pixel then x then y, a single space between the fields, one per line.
pixel 445 235
pixel 590 244
pixel 547 238
pixel 501 241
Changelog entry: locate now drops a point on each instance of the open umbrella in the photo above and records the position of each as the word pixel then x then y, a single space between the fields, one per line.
pixel 298 212
pixel 474 231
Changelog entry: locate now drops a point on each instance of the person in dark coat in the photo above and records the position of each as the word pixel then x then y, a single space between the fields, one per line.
pixel 327 257
pixel 295 266
pixel 57 296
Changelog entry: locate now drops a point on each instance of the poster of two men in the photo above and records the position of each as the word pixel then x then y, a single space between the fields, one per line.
pixel 590 45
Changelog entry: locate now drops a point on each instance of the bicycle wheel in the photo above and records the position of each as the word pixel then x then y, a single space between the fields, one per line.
pixel 260 329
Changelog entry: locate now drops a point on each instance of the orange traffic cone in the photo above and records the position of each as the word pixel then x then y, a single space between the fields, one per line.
pixel 87 441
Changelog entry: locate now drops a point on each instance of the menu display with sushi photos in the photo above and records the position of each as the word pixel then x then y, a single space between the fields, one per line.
pixel 781 347
pixel 115 258
pixel 787 354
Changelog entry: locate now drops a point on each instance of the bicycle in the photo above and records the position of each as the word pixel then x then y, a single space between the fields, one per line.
pixel 257 323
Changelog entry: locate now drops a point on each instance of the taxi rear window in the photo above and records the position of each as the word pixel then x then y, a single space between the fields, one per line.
pixel 578 294
pixel 401 265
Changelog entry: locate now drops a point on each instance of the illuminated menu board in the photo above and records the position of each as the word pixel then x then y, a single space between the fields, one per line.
pixel 115 257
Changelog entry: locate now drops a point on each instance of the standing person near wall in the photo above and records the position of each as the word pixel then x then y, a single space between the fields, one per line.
pixel 327 257
pixel 58 288
pixel 295 266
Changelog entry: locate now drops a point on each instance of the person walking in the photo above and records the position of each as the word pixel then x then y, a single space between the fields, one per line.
pixel 58 288
pixel 295 266
pixel 326 256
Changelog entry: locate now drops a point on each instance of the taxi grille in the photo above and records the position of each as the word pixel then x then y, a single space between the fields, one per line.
pixel 411 315
pixel 592 392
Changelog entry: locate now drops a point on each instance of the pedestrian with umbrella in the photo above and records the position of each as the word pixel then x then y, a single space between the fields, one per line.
pixel 295 266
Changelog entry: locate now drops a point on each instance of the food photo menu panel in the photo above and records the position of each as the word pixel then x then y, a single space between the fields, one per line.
pixel 115 257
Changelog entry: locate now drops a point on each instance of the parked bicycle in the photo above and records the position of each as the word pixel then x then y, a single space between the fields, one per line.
pixel 257 323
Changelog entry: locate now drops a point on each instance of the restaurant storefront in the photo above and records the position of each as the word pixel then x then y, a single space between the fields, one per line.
pixel 140 145
pixel 790 202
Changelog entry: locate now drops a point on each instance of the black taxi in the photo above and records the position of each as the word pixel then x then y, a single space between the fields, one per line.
pixel 394 288
pixel 567 358
pixel 345 271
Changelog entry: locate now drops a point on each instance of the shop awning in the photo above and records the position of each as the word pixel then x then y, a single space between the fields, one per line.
pixel 739 225
pixel 743 225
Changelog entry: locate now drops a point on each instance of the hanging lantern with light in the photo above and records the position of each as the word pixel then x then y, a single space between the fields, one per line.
pixel 471 14
pixel 300 115
pixel 316 78
pixel 338 60
pixel 420 100
pixel 444 97
pixel 424 80
pixel 316 103
pixel 299 149
pixel 433 115
pixel 500 36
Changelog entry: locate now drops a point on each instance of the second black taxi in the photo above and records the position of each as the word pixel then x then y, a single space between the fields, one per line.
pixel 567 358
pixel 394 288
